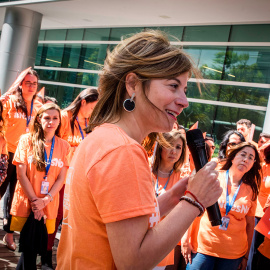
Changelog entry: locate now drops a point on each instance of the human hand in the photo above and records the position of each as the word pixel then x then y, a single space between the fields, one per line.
pixel 205 185
pixel 39 203
pixel 243 264
pixel 186 249
pixel 39 215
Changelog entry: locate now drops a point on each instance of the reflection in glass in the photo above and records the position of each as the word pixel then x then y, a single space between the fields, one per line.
pixel 121 33
pixel 248 64
pixel 54 55
pixel 209 60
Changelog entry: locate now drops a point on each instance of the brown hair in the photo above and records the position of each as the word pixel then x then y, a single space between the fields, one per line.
pixel 89 95
pixel 253 176
pixel 147 54
pixel 38 138
pixel 19 101
pixel 244 122
pixel 170 137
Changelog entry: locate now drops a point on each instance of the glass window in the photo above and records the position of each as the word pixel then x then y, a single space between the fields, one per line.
pixel 248 64
pixel 207 33
pixel 90 79
pixel 42 35
pixel 250 33
pixel 75 34
pixel 59 34
pixel 49 75
pixel 209 60
pixel 71 55
pixel 122 33
pixel 225 118
pixel 174 32
pixel 93 56
pixel 97 34
pixel 54 55
pixel 38 54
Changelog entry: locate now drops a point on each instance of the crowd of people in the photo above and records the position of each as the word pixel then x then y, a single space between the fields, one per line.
pixel 113 169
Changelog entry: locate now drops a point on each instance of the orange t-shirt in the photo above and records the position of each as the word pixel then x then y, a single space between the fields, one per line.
pixel 264 192
pixel 24 154
pixel 66 131
pixel 108 180
pixel 232 243
pixel 16 121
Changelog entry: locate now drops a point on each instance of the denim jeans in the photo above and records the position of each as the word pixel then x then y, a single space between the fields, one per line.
pixel 207 262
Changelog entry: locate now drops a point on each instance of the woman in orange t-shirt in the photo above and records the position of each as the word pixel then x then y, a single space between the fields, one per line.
pixel 167 172
pixel 19 109
pixel 76 116
pixel 111 215
pixel 227 246
pixel 41 161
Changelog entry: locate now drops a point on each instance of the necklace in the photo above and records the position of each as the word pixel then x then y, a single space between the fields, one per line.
pixel 166 173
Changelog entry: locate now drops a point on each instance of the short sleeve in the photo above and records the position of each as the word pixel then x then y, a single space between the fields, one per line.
pixel 64 126
pixel 68 154
pixel 121 184
pixel 20 155
pixel 252 209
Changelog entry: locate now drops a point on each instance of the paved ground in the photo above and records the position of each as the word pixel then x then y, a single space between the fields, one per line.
pixel 8 258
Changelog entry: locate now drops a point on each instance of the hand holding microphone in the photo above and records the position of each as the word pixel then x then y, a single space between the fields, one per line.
pixel 204 185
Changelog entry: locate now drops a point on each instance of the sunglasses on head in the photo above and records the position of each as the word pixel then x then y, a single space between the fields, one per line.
pixel 232 144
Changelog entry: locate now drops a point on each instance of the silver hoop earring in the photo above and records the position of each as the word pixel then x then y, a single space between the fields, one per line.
pixel 129 104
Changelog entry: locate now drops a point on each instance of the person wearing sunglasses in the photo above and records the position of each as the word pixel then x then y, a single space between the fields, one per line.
pixel 231 138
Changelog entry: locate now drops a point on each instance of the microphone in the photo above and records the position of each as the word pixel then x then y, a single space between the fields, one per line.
pixel 196 145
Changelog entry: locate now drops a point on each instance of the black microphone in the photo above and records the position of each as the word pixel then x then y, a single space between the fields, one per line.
pixel 196 145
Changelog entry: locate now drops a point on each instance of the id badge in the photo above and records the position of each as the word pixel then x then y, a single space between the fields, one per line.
pixel 225 223
pixel 27 129
pixel 44 187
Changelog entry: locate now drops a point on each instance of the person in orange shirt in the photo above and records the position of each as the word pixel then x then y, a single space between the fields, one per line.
pixel 263 261
pixel 41 161
pixel 3 148
pixel 111 215
pixel 258 238
pixel 19 109
pixel 167 172
pixel 227 246
pixel 74 120
pixel 76 116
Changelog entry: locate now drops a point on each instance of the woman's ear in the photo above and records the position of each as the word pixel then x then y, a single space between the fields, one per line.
pixel 132 81
pixel 83 102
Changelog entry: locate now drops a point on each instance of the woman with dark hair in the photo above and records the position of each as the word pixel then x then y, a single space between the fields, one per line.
pixel 41 161
pixel 76 116
pixel 112 216
pixel 227 246
pixel 230 138
pixel 19 110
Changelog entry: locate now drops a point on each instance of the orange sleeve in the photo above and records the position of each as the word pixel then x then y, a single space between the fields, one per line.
pixel 64 131
pixel 122 184
pixel 20 155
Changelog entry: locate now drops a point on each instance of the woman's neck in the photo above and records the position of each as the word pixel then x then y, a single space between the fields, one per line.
pixel 27 98
pixel 235 178
pixel 49 137
pixel 80 116
pixel 165 168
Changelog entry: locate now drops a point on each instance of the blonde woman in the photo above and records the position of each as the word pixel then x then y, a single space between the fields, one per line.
pixel 111 216
pixel 167 172
pixel 41 162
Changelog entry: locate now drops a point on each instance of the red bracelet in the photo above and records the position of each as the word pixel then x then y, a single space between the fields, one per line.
pixel 187 191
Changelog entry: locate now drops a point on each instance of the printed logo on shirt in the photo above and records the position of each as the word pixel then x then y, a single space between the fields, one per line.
pixel 55 162
pixel 19 115
pixel 155 217
pixel 74 139
pixel 238 209
pixel 266 179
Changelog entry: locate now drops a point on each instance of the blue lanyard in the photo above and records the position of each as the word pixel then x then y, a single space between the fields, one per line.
pixel 165 186
pixel 48 162
pixel 28 118
pixel 80 126
pixel 228 204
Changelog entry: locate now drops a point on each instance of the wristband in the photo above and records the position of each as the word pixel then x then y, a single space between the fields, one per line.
pixel 187 191
pixel 50 196
pixel 193 202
